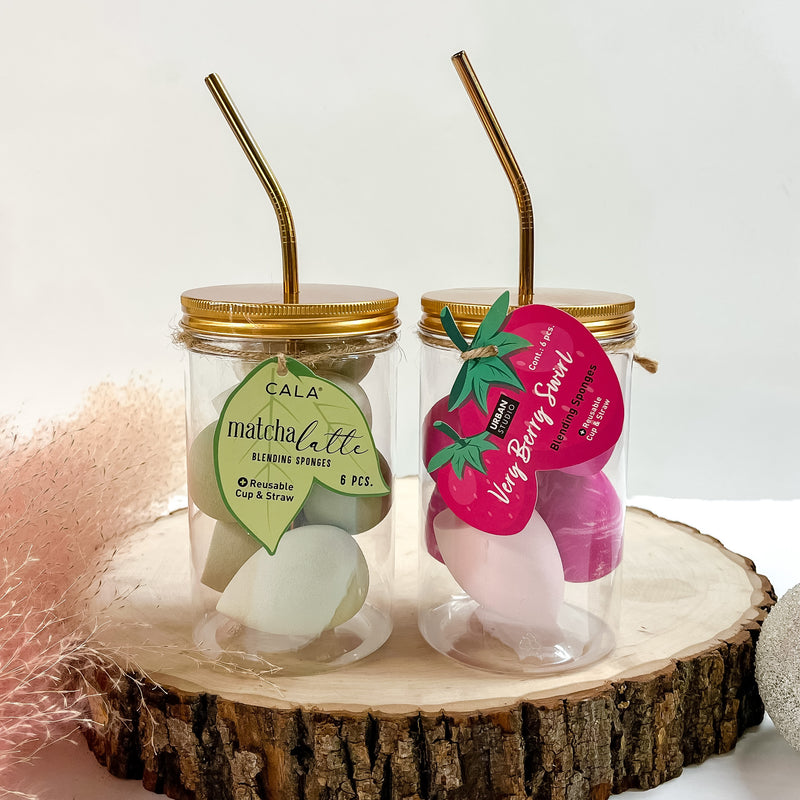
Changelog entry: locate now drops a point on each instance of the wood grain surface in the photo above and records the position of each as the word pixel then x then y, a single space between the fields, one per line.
pixel 408 723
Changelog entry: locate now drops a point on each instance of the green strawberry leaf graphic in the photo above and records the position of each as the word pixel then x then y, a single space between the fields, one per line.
pixel 278 435
pixel 464 450
pixel 508 342
pixel 449 324
pixel 478 375
pixel 462 389
pixel 499 371
pixel 494 318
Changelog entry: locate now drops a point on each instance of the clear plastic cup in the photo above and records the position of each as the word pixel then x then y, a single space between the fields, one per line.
pixel 547 597
pixel 290 417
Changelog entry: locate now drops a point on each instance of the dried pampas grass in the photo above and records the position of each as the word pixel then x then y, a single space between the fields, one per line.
pixel 72 489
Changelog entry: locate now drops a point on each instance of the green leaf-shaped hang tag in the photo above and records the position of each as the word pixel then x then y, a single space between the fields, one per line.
pixel 278 435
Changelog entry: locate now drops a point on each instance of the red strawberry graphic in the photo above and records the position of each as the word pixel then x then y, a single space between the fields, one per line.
pixel 473 486
pixel 561 407
pixel 567 381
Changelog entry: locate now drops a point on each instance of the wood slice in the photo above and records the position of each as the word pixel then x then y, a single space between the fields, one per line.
pixel 408 723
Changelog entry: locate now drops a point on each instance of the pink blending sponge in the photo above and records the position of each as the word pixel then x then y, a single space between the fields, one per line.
pixel 584 514
pixel 517 577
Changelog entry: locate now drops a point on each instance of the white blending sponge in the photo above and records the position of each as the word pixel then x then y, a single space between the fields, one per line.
pixel 317 578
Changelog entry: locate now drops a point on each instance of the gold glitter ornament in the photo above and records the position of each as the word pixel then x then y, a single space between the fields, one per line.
pixel 778 666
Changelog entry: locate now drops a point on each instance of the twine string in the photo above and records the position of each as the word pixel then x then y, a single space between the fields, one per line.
pixel 183 338
pixel 480 352
pixel 648 364
pixel 188 341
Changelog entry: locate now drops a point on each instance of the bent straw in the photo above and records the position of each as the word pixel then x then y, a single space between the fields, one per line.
pixel 268 180
pixel 512 170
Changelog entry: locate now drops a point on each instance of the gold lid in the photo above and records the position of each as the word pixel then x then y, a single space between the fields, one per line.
pixel 257 310
pixel 607 315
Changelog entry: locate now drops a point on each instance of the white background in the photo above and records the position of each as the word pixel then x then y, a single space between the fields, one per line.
pixel 660 140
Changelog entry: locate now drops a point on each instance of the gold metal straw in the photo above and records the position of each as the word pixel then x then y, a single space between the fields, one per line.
pixel 256 158
pixel 512 170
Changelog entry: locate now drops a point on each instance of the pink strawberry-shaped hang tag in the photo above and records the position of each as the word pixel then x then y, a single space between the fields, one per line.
pixel 536 392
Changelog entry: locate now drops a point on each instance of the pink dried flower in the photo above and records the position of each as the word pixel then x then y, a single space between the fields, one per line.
pixel 72 491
